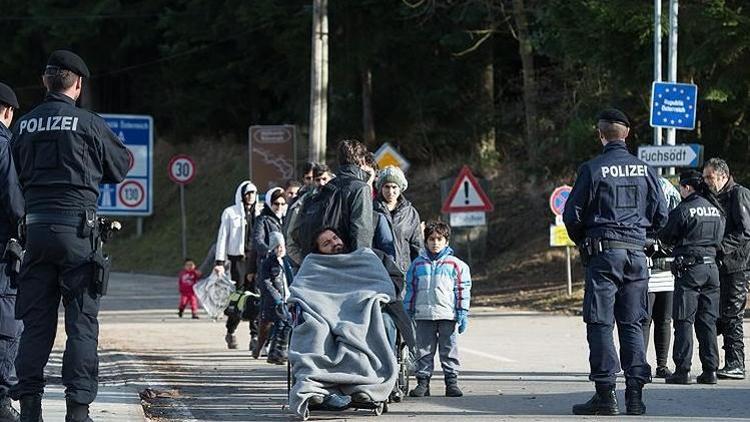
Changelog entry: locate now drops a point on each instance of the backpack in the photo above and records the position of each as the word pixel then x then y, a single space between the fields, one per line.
pixel 323 209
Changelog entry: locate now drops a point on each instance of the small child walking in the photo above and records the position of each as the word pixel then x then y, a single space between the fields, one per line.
pixel 438 291
pixel 186 279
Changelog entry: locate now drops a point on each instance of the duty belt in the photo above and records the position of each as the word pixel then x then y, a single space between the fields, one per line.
pixel 47 218
pixel 696 260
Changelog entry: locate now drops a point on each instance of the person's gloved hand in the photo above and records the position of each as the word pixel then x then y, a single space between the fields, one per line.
pixel 462 319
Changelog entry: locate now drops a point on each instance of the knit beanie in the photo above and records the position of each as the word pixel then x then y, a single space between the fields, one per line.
pixel 392 174
pixel 275 239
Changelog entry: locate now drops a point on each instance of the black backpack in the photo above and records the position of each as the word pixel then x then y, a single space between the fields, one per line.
pixel 324 209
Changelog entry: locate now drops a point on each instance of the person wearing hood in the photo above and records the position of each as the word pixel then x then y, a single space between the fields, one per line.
pixel 234 243
pixel 269 221
pixel 275 276
pixel 733 257
pixel 396 219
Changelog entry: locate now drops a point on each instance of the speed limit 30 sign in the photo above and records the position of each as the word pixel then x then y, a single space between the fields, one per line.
pixel 181 169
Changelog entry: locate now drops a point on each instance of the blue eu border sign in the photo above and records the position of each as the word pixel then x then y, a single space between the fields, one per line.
pixel 673 105
pixel 134 196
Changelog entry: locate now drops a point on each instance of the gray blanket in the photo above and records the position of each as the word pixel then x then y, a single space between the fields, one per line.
pixel 340 346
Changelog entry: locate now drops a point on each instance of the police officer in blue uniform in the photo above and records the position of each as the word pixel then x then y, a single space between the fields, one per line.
pixel 616 197
pixel 695 230
pixel 62 153
pixel 11 211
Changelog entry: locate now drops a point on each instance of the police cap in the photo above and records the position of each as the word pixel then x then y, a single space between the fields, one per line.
pixel 7 96
pixel 613 115
pixel 68 60
pixel 691 178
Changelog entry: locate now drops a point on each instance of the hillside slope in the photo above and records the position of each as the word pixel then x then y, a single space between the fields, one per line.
pixel 517 257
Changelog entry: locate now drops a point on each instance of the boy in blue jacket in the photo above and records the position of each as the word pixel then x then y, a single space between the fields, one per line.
pixel 438 290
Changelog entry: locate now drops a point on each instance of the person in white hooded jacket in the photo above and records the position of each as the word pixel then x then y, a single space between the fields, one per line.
pixel 234 243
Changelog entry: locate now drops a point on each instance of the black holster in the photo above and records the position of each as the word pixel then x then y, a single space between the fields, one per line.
pixel 102 265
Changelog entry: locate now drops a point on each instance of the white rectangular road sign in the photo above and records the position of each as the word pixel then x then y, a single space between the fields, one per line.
pixel 468 219
pixel 134 196
pixel 684 155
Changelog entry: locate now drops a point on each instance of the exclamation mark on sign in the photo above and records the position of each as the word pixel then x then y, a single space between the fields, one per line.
pixel 466 193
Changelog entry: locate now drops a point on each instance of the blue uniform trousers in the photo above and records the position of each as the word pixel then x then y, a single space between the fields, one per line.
pixel 616 292
pixel 10 331
pixel 57 265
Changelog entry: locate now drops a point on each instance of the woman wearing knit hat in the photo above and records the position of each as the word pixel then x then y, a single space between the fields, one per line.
pixel 397 222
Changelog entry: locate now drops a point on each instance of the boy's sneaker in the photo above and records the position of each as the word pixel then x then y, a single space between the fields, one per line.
pixel 422 389
pixel 180 312
pixel 451 388
pixel 195 316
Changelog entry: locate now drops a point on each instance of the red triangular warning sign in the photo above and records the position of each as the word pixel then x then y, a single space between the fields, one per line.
pixel 466 195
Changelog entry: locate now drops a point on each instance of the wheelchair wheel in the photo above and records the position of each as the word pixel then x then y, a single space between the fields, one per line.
pixel 403 370
pixel 306 416
pixel 379 409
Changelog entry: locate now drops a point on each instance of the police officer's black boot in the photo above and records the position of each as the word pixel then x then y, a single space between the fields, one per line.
pixel 7 412
pixel 604 402
pixel 76 412
pixel 451 387
pixel 680 376
pixel 707 377
pixel 422 389
pixel 634 398
pixel 31 408
pixel 231 340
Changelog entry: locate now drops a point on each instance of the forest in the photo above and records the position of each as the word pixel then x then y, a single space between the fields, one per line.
pixel 516 81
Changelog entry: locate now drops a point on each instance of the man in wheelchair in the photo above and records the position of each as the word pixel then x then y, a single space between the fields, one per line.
pixel 348 317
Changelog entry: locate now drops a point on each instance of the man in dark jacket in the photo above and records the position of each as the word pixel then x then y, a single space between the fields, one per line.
pixel 353 180
pixel 11 210
pixel 734 252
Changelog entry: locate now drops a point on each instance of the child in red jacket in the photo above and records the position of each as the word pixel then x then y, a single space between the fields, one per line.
pixel 186 279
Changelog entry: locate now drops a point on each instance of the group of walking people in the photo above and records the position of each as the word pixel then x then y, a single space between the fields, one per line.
pixel 357 206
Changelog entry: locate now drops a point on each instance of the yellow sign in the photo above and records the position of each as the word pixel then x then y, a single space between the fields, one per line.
pixel 558 236
pixel 387 155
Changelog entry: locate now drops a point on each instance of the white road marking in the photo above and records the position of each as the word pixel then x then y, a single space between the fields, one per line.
pixel 486 355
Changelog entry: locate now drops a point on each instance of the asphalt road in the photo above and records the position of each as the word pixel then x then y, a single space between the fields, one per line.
pixel 516 365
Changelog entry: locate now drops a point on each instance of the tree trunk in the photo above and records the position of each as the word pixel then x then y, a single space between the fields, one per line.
pixel 368 121
pixel 487 147
pixel 530 95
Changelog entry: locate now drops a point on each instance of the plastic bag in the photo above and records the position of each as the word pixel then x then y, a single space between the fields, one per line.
pixel 213 293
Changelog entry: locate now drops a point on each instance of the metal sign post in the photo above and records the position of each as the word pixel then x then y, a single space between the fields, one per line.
pixel 558 234
pixel 182 171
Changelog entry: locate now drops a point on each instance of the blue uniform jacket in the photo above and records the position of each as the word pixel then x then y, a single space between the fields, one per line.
pixel 616 196
pixel 11 198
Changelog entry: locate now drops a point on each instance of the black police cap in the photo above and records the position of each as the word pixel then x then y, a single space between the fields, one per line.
pixel 68 60
pixel 690 177
pixel 7 96
pixel 613 115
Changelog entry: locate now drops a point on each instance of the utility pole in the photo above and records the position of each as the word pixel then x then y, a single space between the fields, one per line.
pixel 657 60
pixel 673 8
pixel 319 82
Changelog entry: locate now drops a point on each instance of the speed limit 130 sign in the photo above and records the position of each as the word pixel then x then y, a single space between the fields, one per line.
pixel 181 169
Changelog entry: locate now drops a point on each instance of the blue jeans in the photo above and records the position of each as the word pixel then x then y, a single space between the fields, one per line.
pixel 432 336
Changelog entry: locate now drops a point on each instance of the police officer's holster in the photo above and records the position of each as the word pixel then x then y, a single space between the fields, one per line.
pixel 59 263
pixel 616 292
